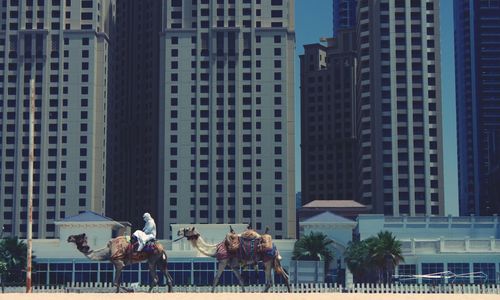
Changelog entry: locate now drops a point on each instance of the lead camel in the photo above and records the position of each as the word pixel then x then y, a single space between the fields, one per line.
pixel 114 253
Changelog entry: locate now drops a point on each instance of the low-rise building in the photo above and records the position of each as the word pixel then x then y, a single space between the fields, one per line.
pixel 460 245
pixel 465 246
pixel 453 249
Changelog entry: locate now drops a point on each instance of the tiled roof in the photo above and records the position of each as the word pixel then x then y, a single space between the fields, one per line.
pixel 335 204
pixel 88 216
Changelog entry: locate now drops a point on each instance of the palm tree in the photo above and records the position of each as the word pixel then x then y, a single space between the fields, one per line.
pixel 13 255
pixel 314 247
pixel 3 269
pixel 387 254
pixel 358 259
pixel 376 255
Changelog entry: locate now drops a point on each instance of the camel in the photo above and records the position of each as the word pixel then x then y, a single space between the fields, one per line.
pixel 225 258
pixel 116 254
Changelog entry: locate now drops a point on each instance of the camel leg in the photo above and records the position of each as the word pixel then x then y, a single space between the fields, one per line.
pixel 267 270
pixel 279 269
pixel 236 272
pixel 287 281
pixel 118 274
pixel 119 265
pixel 169 280
pixel 152 274
pixel 220 269
pixel 164 271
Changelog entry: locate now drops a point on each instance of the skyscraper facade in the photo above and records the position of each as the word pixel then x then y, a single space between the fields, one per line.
pixel 399 107
pixel 65 47
pixel 227 114
pixel 344 15
pixel 477 67
pixel 132 164
pixel 328 143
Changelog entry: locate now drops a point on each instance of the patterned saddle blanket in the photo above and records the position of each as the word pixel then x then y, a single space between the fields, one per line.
pixel 250 240
pixel 249 246
pixel 254 250
pixel 122 247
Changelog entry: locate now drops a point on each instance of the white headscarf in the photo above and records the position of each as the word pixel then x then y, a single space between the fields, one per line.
pixel 150 226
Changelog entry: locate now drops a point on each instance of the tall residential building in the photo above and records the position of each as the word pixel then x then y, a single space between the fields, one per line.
pixel 399 107
pixel 328 144
pixel 64 46
pixel 132 164
pixel 227 114
pixel 477 71
pixel 344 15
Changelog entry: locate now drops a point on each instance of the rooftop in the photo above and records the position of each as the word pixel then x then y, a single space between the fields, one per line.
pixel 334 204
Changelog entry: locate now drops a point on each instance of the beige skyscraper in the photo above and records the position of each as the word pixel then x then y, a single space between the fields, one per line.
pixel 65 46
pixel 227 114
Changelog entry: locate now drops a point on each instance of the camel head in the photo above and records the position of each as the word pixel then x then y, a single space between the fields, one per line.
pixel 189 233
pixel 80 241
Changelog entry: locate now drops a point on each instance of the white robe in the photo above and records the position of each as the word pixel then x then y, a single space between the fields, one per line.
pixel 146 234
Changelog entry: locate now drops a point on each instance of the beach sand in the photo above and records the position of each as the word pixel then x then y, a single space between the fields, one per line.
pixel 241 296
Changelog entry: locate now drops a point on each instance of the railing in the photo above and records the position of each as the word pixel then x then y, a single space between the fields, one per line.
pixel 296 288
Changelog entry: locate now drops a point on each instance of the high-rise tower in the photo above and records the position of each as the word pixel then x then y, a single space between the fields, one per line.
pixel 344 15
pixel 65 47
pixel 132 181
pixel 227 114
pixel 477 69
pixel 399 107
pixel 328 143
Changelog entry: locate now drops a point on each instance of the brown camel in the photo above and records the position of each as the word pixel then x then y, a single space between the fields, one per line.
pixel 115 252
pixel 234 261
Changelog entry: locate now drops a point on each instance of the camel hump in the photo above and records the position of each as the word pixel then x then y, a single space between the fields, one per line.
pixel 158 246
pixel 266 242
pixel 250 234
pixel 232 242
pixel 118 246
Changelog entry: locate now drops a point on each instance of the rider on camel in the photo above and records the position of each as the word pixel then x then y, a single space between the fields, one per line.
pixel 148 233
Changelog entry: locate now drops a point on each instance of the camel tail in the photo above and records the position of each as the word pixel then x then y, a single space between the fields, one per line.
pixel 163 261
pixel 278 268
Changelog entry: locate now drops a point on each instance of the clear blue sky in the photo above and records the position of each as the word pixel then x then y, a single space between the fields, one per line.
pixel 313 19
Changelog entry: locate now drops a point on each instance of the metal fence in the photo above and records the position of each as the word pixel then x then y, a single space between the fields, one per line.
pixel 296 288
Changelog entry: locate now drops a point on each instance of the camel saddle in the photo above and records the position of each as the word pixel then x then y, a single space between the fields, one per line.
pixel 122 248
pixel 232 240
pixel 248 243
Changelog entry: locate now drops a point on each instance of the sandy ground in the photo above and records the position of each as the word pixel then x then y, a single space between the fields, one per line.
pixel 241 296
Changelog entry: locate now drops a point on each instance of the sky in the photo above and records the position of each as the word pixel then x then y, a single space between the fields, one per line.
pixel 313 20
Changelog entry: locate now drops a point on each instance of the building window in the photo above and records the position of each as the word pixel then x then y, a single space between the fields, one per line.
pixel 278 226
pixel 486 268
pixel 276 14
pixel 459 268
pixel 430 268
pixel 86 16
pixel 408 270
